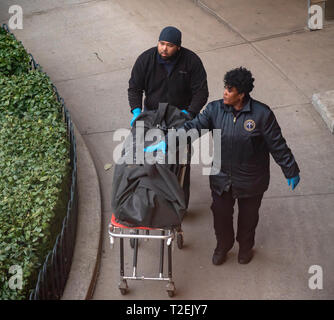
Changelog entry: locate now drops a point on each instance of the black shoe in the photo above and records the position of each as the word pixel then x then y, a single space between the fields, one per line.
pixel 245 257
pixel 220 253
pixel 219 257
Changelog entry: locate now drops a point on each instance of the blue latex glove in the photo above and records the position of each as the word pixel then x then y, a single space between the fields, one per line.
pixel 159 146
pixel 136 112
pixel 293 182
pixel 184 111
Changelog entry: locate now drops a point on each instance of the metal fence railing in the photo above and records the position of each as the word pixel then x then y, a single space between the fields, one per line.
pixel 53 276
pixel 54 273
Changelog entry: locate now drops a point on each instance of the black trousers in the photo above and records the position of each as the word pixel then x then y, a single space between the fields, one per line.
pixel 186 182
pixel 223 207
pixel 186 185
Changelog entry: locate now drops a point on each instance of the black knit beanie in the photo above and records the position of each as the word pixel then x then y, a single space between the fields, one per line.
pixel 172 35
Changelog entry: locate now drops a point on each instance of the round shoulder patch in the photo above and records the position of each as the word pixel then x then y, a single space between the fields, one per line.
pixel 249 125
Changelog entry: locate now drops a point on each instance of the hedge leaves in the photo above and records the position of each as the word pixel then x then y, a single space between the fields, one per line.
pixel 14 59
pixel 34 164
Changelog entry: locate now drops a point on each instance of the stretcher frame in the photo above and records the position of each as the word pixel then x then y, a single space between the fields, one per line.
pixel 122 232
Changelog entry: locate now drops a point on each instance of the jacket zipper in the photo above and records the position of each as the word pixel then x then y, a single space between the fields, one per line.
pixel 234 121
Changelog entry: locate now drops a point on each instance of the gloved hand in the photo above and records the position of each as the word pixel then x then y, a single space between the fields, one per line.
pixel 155 147
pixel 189 113
pixel 136 112
pixel 293 182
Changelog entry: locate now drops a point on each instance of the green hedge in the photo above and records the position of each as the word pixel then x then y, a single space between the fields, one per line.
pixel 34 175
pixel 14 59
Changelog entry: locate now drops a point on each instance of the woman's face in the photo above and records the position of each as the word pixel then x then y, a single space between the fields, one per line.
pixel 232 96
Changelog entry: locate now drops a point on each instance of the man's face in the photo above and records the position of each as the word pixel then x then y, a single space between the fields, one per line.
pixel 232 96
pixel 167 49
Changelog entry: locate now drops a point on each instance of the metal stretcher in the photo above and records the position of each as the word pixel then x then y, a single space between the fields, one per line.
pixel 122 232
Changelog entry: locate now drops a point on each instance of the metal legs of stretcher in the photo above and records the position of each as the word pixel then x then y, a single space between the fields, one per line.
pixel 117 231
pixel 165 235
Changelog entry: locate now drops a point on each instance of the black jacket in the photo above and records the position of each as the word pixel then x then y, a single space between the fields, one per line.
pixel 246 142
pixel 185 87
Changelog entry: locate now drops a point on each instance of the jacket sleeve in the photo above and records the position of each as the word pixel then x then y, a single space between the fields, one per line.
pixel 199 87
pixel 201 121
pixel 192 128
pixel 278 148
pixel 136 84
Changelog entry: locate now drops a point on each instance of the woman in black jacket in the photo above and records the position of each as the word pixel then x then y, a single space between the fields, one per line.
pixel 249 132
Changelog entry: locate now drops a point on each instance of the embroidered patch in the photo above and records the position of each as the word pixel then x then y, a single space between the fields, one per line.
pixel 249 125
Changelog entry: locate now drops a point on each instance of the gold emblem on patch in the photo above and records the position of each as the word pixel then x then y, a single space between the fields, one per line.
pixel 249 125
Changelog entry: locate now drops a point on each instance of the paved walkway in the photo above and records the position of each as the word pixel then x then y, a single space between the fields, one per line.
pixel 88 49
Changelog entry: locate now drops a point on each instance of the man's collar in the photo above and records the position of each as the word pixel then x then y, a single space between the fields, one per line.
pixel 173 59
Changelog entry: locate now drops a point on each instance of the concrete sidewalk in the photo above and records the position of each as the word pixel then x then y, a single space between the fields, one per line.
pixel 88 49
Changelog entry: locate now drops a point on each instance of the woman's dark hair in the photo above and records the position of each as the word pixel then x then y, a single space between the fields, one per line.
pixel 241 79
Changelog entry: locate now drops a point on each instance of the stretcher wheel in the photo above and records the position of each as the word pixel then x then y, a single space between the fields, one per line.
pixel 179 240
pixel 123 291
pixel 123 287
pixel 171 289
pixel 171 293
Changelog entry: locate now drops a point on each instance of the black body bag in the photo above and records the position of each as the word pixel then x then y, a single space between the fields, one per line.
pixel 148 195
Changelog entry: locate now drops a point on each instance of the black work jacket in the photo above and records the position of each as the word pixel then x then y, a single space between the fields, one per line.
pixel 185 87
pixel 246 141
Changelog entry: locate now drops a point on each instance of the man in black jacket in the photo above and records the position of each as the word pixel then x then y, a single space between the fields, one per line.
pixel 249 132
pixel 169 73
